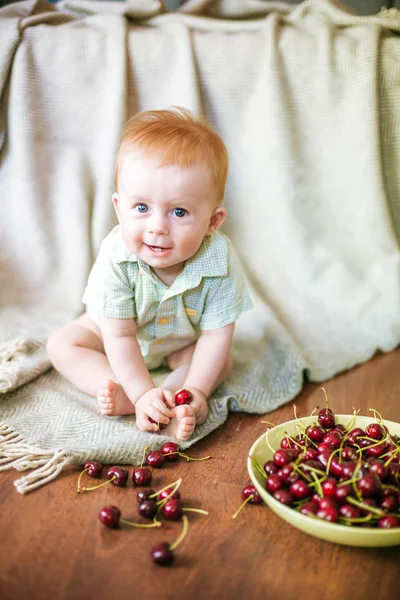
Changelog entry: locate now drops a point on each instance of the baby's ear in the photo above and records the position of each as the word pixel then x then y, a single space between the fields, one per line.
pixel 115 201
pixel 217 218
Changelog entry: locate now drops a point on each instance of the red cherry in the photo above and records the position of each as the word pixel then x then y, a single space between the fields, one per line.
pixel 165 493
pixel 300 490
pixel 349 511
pixel 388 522
pixel 155 459
pixel 328 514
pixel 329 486
pixel 283 496
pixel 326 420
pixel 342 492
pixel 183 397
pixel 308 508
pixel 160 425
pixel 315 433
pixel 109 516
pixel 250 490
pixel 334 438
pixel 93 468
pixel 141 476
pixel 120 474
pixel 375 431
pixel 168 449
pixel 162 555
pixel 147 509
pixel 173 509
pixel 369 485
pixel 270 467
pixel 143 495
pixel 273 483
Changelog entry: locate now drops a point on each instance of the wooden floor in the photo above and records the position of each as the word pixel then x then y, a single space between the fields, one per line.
pixel 53 547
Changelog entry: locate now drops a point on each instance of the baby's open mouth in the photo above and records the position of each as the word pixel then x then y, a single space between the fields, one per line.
pixel 157 248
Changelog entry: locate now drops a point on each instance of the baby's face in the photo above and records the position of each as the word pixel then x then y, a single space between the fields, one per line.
pixel 165 212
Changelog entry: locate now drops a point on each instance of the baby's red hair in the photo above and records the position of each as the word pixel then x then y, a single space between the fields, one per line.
pixel 176 137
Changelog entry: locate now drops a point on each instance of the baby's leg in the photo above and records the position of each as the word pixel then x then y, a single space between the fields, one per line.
pixel 76 350
pixel 184 425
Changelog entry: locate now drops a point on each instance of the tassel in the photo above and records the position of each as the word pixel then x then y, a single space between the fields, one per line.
pixel 15 453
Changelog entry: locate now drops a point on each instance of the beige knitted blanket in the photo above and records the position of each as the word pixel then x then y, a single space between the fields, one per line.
pixel 308 102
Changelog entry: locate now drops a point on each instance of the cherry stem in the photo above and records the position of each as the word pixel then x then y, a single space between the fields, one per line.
pixel 258 467
pixel 356 519
pixel 242 505
pixel 326 400
pixel 141 525
pixel 182 535
pixel 379 417
pixel 360 504
pixel 144 452
pixel 317 483
pixel 392 455
pixel 79 479
pixel 196 510
pixel 188 457
pixel 176 483
pixel 96 487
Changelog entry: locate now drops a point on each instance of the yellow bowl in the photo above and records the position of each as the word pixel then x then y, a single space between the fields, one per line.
pixel 332 532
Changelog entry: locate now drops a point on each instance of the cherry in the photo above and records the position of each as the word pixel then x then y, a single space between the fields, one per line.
pixel 287 442
pixel 349 511
pixel 285 472
pixel 354 435
pixel 342 492
pixel 160 425
pixel 250 494
pixel 300 490
pixel 394 472
pixel 315 433
pixel 349 453
pixel 348 468
pixel 327 502
pixel 141 476
pixel 169 450
pixel 309 508
pixel 339 427
pixel 172 509
pixel 329 486
pixel 375 431
pixel 326 420
pixel 118 476
pixel 183 397
pixel 109 516
pixel 334 438
pixel 270 467
pixel 143 495
pixel 283 496
pixel 323 458
pixel 162 554
pixel 166 492
pixel 368 485
pixel 379 468
pixel 93 468
pixel 273 483
pixel 336 467
pixel 389 503
pixel 369 502
pixel 310 454
pixel 388 522
pixel 155 459
pixel 328 513
pixel 325 447
pixel 283 457
pixel 377 450
pixel 148 508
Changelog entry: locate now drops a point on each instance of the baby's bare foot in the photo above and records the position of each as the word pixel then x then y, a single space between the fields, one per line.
pixel 112 400
pixel 182 425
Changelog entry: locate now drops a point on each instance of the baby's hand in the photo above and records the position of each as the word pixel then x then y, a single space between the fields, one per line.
pixel 153 404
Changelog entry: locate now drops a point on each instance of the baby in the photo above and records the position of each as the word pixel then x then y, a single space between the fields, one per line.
pixel 165 289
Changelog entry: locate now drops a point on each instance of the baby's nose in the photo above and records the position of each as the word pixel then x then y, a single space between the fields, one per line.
pixel 158 226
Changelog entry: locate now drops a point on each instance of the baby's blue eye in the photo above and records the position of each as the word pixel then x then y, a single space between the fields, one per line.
pixel 142 208
pixel 179 212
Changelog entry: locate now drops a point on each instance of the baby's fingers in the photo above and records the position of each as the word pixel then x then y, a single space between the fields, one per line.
pixel 163 408
pixel 169 398
pixel 157 415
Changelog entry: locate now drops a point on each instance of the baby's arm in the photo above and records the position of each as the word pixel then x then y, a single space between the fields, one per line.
pixel 126 361
pixel 209 359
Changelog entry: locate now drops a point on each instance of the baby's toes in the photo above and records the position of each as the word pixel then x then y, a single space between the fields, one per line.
pixel 185 428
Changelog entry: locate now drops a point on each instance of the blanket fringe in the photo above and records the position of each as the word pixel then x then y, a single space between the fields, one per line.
pixel 16 453
pixel 17 348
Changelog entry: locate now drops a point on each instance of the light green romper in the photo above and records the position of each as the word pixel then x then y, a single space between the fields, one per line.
pixel 208 294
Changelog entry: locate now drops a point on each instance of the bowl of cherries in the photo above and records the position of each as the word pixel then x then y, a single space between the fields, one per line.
pixel 335 477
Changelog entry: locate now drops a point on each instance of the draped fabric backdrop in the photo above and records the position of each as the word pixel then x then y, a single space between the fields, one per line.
pixel 307 99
